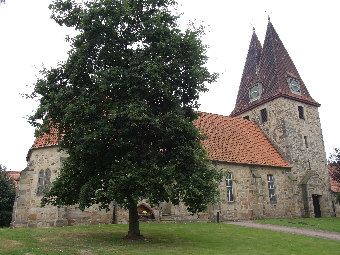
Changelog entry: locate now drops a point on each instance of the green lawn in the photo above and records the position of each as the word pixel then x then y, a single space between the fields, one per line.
pixel 330 224
pixel 195 238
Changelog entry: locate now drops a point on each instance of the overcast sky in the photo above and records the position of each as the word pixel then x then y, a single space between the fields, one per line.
pixel 308 29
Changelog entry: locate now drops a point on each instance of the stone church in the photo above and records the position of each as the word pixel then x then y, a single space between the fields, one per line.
pixel 271 144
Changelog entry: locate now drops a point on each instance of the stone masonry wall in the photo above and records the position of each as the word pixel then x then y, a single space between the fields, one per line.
pixel 27 211
pixel 250 191
pixel 300 142
pixel 251 194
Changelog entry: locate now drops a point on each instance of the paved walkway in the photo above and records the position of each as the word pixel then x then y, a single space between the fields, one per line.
pixel 292 230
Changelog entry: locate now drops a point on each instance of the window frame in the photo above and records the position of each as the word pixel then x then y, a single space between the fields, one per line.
pixel 229 186
pixel 306 141
pixel 271 188
pixel 264 115
pixel 301 112
pixel 44 181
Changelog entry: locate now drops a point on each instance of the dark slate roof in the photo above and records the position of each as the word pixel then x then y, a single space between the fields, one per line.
pixel 249 76
pixel 274 67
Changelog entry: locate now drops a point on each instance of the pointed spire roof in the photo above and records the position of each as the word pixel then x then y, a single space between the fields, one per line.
pixel 250 70
pixel 275 67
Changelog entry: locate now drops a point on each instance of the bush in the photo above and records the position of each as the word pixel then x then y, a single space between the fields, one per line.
pixel 7 196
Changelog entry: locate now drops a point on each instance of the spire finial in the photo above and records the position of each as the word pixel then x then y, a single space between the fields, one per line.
pixel 268 18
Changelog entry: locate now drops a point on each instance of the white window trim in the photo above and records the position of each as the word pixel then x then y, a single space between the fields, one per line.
pixel 229 186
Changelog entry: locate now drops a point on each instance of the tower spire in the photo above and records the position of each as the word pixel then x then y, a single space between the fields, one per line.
pixel 250 70
pixel 275 71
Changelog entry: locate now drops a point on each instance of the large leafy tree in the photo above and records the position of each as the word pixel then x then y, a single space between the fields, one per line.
pixel 123 104
pixel 7 196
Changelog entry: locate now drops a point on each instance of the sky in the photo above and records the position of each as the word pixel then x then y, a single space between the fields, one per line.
pixel 309 30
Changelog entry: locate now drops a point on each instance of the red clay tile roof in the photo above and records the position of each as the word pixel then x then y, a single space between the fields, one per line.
pixel 229 139
pixel 46 140
pixel 274 67
pixel 15 175
pixel 335 186
pixel 237 140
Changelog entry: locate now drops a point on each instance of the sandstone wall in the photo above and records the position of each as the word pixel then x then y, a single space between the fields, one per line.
pixel 27 211
pixel 251 194
pixel 300 141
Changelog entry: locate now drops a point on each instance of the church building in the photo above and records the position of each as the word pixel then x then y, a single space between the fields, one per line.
pixel 271 145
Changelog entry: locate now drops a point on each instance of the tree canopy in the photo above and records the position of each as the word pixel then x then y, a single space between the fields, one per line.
pixel 7 196
pixel 123 104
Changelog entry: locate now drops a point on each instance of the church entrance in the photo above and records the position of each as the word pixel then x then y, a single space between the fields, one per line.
pixel 316 204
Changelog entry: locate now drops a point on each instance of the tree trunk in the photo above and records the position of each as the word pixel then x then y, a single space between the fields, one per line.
pixel 134 232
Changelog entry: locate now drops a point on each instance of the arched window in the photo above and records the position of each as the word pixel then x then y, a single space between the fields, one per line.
pixel 41 182
pixel 271 188
pixel 44 181
pixel 47 180
pixel 229 184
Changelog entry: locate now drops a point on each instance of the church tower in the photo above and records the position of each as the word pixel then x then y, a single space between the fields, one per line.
pixel 272 94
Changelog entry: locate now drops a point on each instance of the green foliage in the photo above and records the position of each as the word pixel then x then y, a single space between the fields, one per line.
pixel 7 196
pixel 123 104
pixel 334 160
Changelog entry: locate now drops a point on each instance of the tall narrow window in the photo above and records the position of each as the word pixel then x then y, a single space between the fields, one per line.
pixel 309 167
pixel 271 188
pixel 264 115
pixel 47 179
pixel 41 182
pixel 229 182
pixel 306 141
pixel 301 113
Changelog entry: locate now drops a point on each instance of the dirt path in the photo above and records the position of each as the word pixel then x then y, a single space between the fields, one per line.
pixel 292 230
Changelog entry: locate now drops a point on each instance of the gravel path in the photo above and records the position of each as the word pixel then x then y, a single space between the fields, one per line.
pixel 292 230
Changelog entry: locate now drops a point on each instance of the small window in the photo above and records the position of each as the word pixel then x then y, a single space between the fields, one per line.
pixel 246 117
pixel 306 141
pixel 264 115
pixel 301 113
pixel 271 188
pixel 229 184
pixel 309 167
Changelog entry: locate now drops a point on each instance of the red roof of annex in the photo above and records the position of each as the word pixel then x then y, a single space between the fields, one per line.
pixel 335 186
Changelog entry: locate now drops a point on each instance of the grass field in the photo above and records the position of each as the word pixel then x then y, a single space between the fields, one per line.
pixel 195 238
pixel 330 224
